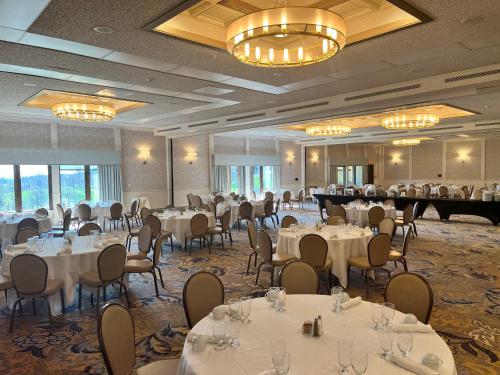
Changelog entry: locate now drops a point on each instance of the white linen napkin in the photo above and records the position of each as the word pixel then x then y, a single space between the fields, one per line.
pixel 210 338
pixel 419 328
pixel 352 302
pixel 413 366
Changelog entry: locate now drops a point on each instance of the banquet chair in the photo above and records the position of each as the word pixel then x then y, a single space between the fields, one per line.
pixel 375 215
pixel 202 292
pixel 275 211
pixel 147 265
pixel 287 195
pixel 253 196
pixel 245 212
pixel 110 266
pixel 133 213
pixel 443 191
pixel 412 192
pixel 460 194
pixel 232 194
pixel 314 251
pixel 299 277
pixel 406 219
pixel 199 227
pixel 144 241
pixel 86 229
pixel 269 195
pixel 204 207
pixel 66 223
pixel 5 285
pixel 28 222
pixel 60 213
pixel 189 197
pixel 299 200
pixel 378 255
pixel 223 230
pixel 85 214
pixel 387 226
pixel 287 221
pixel 335 220
pixel 131 233
pixel 268 213
pixel 211 207
pixel 218 199
pixel 155 224
pixel 399 256
pixel 252 238
pixel 23 234
pixel 145 212
pixel 196 201
pixel 329 208
pixel 405 284
pixel 265 251
pixel 42 211
pixel 115 216
pixel 116 334
pixel 29 275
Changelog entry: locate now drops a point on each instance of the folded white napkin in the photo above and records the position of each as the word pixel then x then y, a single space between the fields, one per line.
pixel 64 250
pixel 419 328
pixel 413 366
pixel 352 302
pixel 210 338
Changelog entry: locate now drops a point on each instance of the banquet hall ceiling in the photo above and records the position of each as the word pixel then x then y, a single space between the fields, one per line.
pixel 56 48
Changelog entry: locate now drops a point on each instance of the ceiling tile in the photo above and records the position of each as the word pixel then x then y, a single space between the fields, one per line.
pixel 257 86
pixel 200 74
pixel 10 35
pixel 142 62
pixel 316 81
pixel 20 14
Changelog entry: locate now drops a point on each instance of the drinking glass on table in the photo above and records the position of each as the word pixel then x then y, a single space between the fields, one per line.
pixel 234 309
pixel 376 315
pixel 281 299
pixel 345 351
pixel 386 339
pixel 233 331
pixel 246 309
pixel 281 363
pixel 359 361
pixel 219 330
pixel 337 297
pixel 387 313
pixel 405 343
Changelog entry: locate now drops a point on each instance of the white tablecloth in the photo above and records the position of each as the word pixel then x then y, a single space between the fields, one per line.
pixel 350 242
pixel 179 224
pixel 359 214
pixel 308 355
pixel 258 209
pixel 66 267
pixel 8 227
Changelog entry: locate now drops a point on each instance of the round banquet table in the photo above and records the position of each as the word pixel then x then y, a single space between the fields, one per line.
pixel 8 227
pixel 344 242
pixel 359 213
pixel 65 267
pixel 258 209
pixel 179 224
pixel 308 355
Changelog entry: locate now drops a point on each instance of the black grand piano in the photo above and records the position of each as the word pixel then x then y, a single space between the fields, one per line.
pixel 444 207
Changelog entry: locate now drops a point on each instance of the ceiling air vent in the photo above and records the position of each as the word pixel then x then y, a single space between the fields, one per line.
pixel 472 76
pixel 289 109
pixel 383 92
pixel 203 124
pixel 169 129
pixel 246 117
pixel 488 124
pixel 351 136
pixel 441 128
pixel 390 133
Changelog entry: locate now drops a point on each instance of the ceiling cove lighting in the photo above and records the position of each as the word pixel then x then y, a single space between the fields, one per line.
pixel 84 112
pixel 328 130
pixel 406 142
pixel 286 36
pixel 416 121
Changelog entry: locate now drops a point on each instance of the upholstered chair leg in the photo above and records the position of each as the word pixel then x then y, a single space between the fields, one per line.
pixel 258 273
pixel 49 311
pixel 13 315
pixel 171 244
pixel 209 248
pixel 63 305
pixel 249 260
pixel 161 277
pixel 222 240
pixel 231 238
pixel 156 283
pixel 405 265
pixel 80 296
pixel 367 282
pixel 272 275
pixel 415 229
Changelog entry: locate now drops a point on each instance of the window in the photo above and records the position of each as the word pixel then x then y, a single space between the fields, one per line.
pixel 7 191
pixel 268 178
pixel 234 171
pixel 94 183
pixel 255 182
pixel 34 186
pixel 359 175
pixel 340 175
pixel 72 182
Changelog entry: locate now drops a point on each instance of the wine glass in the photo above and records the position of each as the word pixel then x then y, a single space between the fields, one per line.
pixel 219 330
pixel 359 361
pixel 405 343
pixel 281 300
pixel 345 350
pixel 376 315
pixel 336 296
pixel 281 363
pixel 387 312
pixel 234 305
pixel 233 331
pixel 386 339
pixel 246 309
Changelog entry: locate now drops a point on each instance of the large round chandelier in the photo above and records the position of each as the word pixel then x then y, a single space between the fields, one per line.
pixel 328 130
pixel 406 142
pixel 286 36
pixel 84 112
pixel 410 121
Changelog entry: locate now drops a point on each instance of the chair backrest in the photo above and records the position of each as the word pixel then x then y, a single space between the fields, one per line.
pixel 115 330
pixel 144 238
pixel 269 195
pixel 29 274
pixel 157 248
pixel 335 220
pixel 245 210
pixel 387 226
pixel 196 201
pixel 253 196
pixel 408 214
pixel 378 249
pixel 338 210
pixel 145 212
pixel 286 196
pixel 202 292
pixel 443 191
pixel 313 250
pixel 411 294
pixel 301 195
pixel 252 235
pixel 218 199
pixel 211 207
pixel 42 211
pixel 111 262
pixel 189 199
pixel 328 207
pixel 427 192
pixel 411 192
pixel 406 239
pixel 84 211
pixel 28 222
pixel 199 225
pixel 268 208
pixel 87 228
pixel 204 207
pixel 277 206
pixel 154 223
pixel 127 221
pixel 116 210
pixel 460 193
pixel 375 215
pixel 298 277
pixel 60 211
pixel 265 245
pixel 226 220
pixel 287 221
pixel 23 234
pixel 67 220
pixel 133 207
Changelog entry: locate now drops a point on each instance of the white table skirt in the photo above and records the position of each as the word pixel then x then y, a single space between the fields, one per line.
pixel 179 224
pixel 351 242
pixel 308 355
pixel 359 214
pixel 258 209
pixel 66 267
pixel 8 229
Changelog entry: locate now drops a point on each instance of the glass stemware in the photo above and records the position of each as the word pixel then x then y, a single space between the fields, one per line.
pixel 345 351
pixel 337 296
pixel 234 335
pixel 405 343
pixel 246 309
pixel 280 357
pixel 387 313
pixel 234 306
pixel 376 315
pixel 359 361
pixel 281 300
pixel 386 339
pixel 219 330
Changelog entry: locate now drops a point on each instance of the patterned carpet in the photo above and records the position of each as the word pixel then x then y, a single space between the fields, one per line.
pixel 460 259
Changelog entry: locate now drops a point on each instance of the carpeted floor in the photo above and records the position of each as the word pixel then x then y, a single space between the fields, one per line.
pixel 460 259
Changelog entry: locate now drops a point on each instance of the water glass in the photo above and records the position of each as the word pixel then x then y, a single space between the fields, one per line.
pixel 278 347
pixel 337 297
pixel 405 343
pixel 281 300
pixel 30 242
pixel 272 295
pixel 359 361
pixel 281 363
pixel 387 312
pixel 219 330
pixel 234 309
pixel 345 351
pixel 386 339
pixel 233 331
pixel 377 315
pixel 278 355
pixel 246 309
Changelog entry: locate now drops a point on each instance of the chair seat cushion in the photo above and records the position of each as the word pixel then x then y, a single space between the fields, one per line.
pixel 90 279
pixel 5 282
pixel 279 259
pixel 216 230
pixel 360 262
pixel 138 266
pixel 53 286
pixel 395 255
pixel 136 256
pixel 165 367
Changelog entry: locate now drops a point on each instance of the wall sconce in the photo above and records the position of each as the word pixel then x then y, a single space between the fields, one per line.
pixel 463 156
pixel 315 158
pixel 290 157
pixel 396 158
pixel 144 155
pixel 191 156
